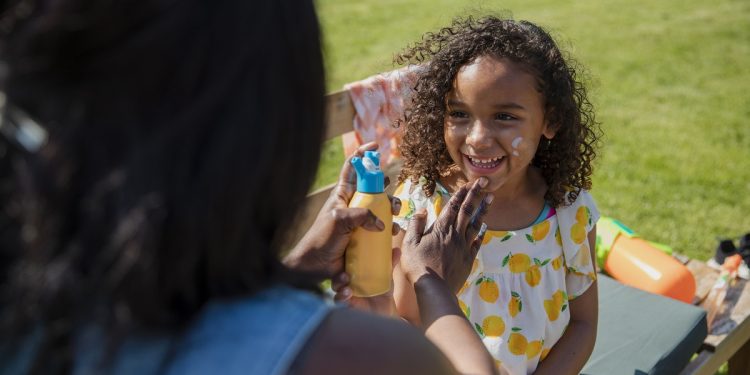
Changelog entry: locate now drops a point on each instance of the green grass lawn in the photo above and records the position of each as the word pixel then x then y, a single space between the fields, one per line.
pixel 670 80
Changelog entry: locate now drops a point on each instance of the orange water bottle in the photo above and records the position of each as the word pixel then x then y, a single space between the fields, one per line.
pixel 368 255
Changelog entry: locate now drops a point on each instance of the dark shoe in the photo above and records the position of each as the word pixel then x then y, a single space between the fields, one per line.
pixel 744 242
pixel 725 249
pixel 744 249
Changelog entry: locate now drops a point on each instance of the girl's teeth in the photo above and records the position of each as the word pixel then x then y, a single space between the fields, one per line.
pixel 487 163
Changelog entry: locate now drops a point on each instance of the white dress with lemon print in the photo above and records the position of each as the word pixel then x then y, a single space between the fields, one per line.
pixel 517 294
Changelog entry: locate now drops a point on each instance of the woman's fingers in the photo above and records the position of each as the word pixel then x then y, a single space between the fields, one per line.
pixel 447 218
pixel 347 184
pixel 395 205
pixel 348 219
pixel 477 243
pixel 340 285
pixel 477 219
pixel 344 295
pixel 339 281
pixel 469 205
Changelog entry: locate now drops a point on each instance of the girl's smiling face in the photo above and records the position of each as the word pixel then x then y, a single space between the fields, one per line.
pixel 494 120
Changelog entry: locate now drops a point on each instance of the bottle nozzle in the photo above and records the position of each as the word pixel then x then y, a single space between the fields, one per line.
pixel 369 176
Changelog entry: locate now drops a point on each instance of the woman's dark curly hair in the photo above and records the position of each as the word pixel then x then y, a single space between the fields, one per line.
pixel 565 161
pixel 163 184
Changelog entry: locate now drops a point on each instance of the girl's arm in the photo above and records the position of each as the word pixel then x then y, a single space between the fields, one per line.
pixel 570 354
pixel 404 296
pixel 447 327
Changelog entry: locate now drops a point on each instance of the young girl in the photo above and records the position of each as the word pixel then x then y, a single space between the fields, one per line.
pixel 497 100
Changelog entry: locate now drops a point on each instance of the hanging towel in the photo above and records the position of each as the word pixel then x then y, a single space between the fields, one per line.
pixel 378 102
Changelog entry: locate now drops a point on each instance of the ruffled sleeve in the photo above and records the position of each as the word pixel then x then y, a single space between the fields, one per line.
pixel 576 221
pixel 413 199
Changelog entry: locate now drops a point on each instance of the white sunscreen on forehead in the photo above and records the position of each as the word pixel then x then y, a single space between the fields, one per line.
pixel 515 144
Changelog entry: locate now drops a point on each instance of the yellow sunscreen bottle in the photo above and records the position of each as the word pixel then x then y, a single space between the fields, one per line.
pixel 368 255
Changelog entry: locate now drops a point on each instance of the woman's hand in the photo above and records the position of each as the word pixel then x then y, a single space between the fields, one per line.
pixel 448 248
pixel 437 263
pixel 322 248
pixel 381 304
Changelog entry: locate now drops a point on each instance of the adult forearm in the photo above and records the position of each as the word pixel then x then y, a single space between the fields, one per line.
pixel 447 327
pixel 571 352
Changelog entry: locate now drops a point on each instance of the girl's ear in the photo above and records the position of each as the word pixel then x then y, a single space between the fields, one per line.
pixel 549 130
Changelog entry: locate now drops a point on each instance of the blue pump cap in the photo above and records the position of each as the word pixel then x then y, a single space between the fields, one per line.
pixel 369 176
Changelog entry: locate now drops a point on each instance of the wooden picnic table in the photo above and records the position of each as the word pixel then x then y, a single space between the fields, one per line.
pixel 729 337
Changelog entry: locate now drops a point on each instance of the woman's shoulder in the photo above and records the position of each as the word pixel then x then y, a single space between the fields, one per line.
pixel 278 303
pixel 274 324
pixel 354 342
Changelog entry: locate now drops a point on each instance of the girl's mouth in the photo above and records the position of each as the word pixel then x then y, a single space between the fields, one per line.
pixel 484 165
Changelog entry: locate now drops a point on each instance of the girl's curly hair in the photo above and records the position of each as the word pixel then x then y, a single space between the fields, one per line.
pixel 565 161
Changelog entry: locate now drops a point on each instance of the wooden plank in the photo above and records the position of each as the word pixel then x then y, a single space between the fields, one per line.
pixel 731 328
pixel 307 215
pixel 736 309
pixel 339 120
pixel 339 114
pixel 739 364
pixel 730 332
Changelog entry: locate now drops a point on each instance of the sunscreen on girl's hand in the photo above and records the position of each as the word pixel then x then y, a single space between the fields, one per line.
pixel 368 255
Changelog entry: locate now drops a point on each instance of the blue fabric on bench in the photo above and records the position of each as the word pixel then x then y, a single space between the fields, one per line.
pixel 643 333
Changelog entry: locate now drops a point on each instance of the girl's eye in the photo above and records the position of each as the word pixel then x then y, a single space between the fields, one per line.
pixel 457 114
pixel 504 117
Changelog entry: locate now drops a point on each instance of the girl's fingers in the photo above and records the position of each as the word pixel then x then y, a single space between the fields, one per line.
pixel 395 256
pixel 416 228
pixel 469 206
pixel 395 229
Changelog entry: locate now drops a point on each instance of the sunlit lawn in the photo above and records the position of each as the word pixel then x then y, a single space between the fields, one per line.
pixel 670 79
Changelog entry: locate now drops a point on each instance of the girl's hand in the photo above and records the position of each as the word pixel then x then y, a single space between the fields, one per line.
pixel 322 247
pixel 448 249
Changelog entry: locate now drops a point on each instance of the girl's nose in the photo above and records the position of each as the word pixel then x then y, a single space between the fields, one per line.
pixel 479 135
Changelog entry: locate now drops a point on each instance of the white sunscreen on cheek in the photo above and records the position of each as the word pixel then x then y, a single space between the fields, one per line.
pixel 515 144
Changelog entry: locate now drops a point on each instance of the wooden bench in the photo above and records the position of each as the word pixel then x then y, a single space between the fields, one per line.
pixel 730 338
